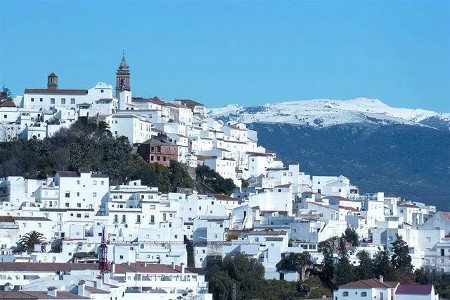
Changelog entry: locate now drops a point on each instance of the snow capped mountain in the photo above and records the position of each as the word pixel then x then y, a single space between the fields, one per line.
pixel 324 113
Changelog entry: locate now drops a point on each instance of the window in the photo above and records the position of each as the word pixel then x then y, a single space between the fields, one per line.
pixel 63 100
pixel 72 100
pixel 94 182
pixel 52 100
pixel 41 99
pixel 32 99
pixel 67 194
pixel 442 252
pixel 102 182
pixel 78 215
pixel 138 219
pixel 94 194
pixel 363 294
pixel 78 204
pixel 152 219
pixel 78 182
pixel 345 294
pixel 67 204
pixel 121 256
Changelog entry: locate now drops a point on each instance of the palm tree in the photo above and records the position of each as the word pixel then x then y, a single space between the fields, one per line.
pixel 103 128
pixel 29 240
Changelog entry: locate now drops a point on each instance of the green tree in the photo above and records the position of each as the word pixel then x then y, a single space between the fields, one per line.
pixel 383 266
pixel 351 236
pixel 5 94
pixel 103 128
pixel 365 268
pixel 179 176
pixel 247 274
pixel 401 260
pixel 297 262
pixel 344 271
pixel 327 248
pixel 213 181
pixel 29 240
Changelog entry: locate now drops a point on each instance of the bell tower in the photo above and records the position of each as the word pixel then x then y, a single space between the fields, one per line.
pixel 122 77
pixel 52 82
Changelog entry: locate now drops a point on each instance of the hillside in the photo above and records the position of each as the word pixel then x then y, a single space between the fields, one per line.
pixel 410 161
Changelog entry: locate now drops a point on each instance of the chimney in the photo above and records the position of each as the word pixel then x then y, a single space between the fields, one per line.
pixel 182 268
pixel 52 291
pixel 81 288
pixel 173 265
pixel 381 278
pixel 113 268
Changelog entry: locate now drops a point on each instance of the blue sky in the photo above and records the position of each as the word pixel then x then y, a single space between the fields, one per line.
pixel 247 52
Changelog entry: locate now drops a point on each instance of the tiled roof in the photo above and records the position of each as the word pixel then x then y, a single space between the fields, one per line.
pixel 11 219
pixel 446 214
pixel 27 218
pixel 224 197
pixel 409 289
pixel 94 290
pixel 8 103
pixel 369 283
pixel 267 232
pixel 158 142
pixel 68 174
pixel 56 91
pixel 348 208
pixel 283 185
pixel 407 205
pixel 44 267
pixel 259 154
pixel 60 295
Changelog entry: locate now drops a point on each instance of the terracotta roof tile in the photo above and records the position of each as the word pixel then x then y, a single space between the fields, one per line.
pixel 409 289
pixel 8 103
pixel 56 91
pixel 369 283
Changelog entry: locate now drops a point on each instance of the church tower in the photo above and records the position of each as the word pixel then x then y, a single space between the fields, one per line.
pixel 122 77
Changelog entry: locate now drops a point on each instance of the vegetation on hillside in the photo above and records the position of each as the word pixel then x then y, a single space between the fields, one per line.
pixel 213 181
pixel 88 143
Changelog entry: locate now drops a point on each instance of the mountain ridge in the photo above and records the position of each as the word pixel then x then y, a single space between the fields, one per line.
pixel 329 112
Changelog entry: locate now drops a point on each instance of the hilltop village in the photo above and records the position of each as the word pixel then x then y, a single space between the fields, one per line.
pixel 78 235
